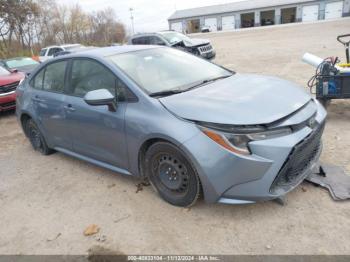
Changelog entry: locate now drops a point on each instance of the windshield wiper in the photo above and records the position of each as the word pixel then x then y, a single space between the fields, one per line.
pixel 165 93
pixel 177 91
pixel 206 81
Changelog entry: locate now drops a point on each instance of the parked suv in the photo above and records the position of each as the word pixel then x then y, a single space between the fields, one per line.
pixel 200 47
pixel 185 124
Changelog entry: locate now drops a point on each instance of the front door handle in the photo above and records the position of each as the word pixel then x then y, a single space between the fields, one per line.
pixel 69 108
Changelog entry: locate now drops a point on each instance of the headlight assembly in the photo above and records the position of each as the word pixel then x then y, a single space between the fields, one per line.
pixel 239 143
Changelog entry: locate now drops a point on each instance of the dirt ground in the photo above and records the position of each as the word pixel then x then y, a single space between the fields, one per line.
pixel 46 202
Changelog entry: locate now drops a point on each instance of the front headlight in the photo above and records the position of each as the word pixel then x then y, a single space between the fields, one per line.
pixel 239 143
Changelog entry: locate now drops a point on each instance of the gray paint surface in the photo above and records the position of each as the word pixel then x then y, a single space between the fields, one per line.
pixel 241 99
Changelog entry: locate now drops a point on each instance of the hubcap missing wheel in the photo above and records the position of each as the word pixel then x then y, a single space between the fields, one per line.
pixel 171 173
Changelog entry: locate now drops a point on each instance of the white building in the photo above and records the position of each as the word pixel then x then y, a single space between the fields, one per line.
pixel 256 13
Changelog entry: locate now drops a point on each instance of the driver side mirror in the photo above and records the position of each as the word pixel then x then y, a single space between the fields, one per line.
pixel 14 71
pixel 101 97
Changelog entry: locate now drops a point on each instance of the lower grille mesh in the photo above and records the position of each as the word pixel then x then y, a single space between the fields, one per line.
pixel 302 155
pixel 8 88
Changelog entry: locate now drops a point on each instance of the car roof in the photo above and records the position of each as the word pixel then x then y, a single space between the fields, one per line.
pixel 112 50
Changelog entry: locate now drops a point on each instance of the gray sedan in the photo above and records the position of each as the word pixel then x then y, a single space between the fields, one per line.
pixel 184 124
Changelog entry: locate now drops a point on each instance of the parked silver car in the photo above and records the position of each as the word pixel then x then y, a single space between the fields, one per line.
pixel 185 124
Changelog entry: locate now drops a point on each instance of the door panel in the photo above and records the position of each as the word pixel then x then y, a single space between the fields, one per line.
pixel 96 132
pixel 48 101
pixel 52 117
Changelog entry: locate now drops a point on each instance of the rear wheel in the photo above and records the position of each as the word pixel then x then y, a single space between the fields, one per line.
pixel 172 175
pixel 36 138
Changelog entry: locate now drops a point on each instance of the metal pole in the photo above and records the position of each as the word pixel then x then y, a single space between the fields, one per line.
pixel 132 20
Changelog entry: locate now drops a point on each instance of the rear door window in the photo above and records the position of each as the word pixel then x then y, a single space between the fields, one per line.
pixel 54 77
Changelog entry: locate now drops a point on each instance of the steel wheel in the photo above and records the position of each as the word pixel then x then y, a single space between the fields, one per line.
pixel 172 175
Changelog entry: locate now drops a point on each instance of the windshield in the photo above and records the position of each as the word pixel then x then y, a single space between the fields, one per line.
pixel 4 72
pixel 20 62
pixel 175 37
pixel 163 69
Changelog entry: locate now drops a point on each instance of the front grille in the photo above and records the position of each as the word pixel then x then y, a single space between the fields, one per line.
pixel 300 159
pixel 205 49
pixel 8 88
pixel 9 104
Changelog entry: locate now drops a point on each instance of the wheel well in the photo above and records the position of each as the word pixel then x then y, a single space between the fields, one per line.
pixel 145 146
pixel 24 119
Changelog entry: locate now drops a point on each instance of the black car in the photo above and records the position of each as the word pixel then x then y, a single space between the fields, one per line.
pixel 200 47
pixel 21 64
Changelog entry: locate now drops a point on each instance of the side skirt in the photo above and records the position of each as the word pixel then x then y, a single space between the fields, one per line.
pixel 93 161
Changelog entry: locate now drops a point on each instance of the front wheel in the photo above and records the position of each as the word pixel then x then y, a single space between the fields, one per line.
pixel 172 175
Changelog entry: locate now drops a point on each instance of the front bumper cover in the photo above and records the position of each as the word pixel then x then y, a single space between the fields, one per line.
pixel 231 178
pixel 7 101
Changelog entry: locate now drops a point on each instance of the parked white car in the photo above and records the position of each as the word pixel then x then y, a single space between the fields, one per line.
pixel 48 52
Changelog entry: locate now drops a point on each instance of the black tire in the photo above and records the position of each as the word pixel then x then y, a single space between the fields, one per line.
pixel 36 138
pixel 172 175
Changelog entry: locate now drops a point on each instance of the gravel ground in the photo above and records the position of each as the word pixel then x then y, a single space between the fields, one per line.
pixel 47 201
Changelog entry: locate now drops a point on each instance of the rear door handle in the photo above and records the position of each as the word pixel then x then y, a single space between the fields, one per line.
pixel 37 99
pixel 69 108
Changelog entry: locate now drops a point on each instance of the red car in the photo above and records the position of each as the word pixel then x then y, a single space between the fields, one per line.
pixel 8 84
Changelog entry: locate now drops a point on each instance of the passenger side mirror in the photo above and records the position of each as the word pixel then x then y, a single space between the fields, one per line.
pixel 14 71
pixel 101 97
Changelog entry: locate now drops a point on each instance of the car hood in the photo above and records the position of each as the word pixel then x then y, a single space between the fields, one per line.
pixel 196 42
pixel 242 99
pixel 26 69
pixel 9 79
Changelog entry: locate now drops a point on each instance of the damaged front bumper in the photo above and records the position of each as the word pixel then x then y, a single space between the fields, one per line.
pixel 275 167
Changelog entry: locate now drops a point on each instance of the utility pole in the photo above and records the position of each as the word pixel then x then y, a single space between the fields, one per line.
pixel 132 19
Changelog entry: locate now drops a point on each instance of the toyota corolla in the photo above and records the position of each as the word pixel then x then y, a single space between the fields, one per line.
pixel 184 124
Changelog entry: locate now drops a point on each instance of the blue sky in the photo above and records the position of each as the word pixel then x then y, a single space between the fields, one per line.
pixel 149 15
